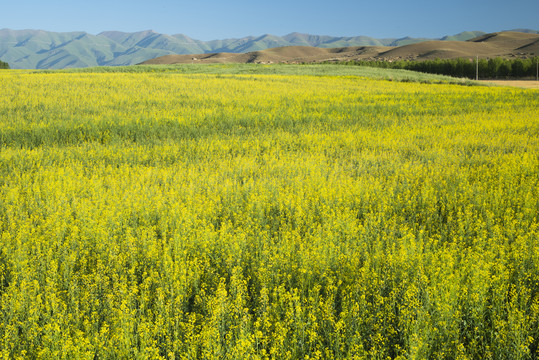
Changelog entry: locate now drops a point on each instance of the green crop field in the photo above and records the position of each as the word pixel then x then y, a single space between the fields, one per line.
pixel 270 212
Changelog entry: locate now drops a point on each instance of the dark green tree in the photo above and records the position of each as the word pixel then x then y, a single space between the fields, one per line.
pixel 483 68
pixel 505 68
pixel 517 68
pixel 493 67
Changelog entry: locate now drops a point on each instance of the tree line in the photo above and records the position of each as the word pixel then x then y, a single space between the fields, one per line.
pixel 494 68
pixel 4 65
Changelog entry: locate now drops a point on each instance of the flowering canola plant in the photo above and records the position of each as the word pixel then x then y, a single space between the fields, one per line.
pixel 197 216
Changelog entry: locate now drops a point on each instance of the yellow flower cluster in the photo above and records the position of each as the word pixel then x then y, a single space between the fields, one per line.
pixel 192 216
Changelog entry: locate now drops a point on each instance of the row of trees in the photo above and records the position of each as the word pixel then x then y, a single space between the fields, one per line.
pixel 494 68
pixel 4 65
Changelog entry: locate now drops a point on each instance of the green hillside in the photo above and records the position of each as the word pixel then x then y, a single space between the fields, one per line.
pixel 464 36
pixel 151 40
pixel 36 49
pixel 407 41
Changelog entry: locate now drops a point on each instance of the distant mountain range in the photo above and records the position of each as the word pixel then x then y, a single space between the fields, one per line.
pixel 38 49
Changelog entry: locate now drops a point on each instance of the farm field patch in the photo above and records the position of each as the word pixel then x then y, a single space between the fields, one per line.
pixel 526 84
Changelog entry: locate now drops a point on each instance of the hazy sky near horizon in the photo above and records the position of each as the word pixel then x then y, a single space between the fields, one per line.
pixel 212 19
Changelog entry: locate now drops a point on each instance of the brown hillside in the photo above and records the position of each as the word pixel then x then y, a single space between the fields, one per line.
pixel 531 48
pixel 503 44
pixel 511 38
pixel 442 50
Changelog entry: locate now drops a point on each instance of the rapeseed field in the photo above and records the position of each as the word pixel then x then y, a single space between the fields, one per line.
pixel 219 216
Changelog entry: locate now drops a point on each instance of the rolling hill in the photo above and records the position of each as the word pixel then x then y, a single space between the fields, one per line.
pixel 503 44
pixel 37 49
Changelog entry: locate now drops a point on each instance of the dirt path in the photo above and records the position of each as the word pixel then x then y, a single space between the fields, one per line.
pixel 527 84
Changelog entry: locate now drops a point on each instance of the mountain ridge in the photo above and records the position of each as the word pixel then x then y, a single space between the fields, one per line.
pixel 40 49
pixel 502 44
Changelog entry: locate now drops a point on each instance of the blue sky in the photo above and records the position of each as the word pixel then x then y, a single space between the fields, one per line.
pixel 207 20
